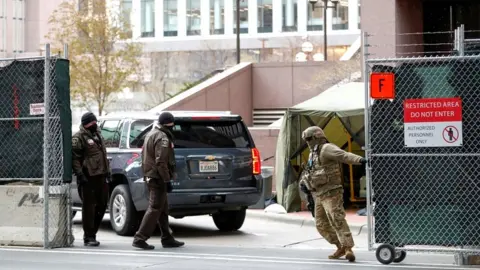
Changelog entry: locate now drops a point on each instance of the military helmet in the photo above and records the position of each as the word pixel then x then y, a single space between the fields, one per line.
pixel 312 132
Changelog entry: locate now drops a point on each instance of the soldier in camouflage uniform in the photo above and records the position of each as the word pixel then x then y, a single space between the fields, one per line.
pixel 324 180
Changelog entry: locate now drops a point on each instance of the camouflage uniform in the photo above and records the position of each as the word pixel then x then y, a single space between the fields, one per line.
pixel 324 179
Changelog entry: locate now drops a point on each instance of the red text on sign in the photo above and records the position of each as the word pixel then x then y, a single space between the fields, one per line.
pixel 432 110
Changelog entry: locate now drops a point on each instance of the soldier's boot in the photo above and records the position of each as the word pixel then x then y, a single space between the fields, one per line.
pixel 91 242
pixel 171 243
pixel 338 254
pixel 349 254
pixel 142 244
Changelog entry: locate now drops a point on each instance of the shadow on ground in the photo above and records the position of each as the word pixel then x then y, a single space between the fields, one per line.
pixel 179 230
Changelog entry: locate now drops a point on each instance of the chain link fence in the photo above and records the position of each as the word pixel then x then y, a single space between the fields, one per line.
pixel 422 145
pixel 35 126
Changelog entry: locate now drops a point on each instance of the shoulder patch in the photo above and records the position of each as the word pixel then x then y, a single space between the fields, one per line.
pixel 164 142
pixel 76 144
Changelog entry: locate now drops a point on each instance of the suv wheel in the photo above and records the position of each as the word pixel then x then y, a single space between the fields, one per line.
pixel 229 220
pixel 123 215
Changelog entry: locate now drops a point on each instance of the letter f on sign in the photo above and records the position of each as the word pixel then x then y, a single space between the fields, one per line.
pixel 380 84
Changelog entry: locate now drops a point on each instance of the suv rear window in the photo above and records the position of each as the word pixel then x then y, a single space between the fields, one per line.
pixel 136 129
pixel 211 134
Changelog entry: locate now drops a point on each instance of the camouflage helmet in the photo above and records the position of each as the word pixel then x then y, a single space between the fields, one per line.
pixel 313 132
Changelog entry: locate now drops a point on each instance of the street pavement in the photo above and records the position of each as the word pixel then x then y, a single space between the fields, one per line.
pixel 260 244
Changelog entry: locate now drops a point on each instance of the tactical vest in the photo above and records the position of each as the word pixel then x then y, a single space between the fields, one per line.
pixel 324 175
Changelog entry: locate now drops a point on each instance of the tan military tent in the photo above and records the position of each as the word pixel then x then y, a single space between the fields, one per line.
pixel 339 111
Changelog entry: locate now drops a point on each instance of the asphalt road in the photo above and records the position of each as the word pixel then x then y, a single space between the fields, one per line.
pixel 259 245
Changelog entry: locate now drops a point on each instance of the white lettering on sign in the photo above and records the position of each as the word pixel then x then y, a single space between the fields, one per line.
pixel 435 122
pixel 37 109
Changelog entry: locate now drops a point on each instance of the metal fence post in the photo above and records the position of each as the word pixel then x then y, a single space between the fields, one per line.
pixel 46 240
pixel 367 130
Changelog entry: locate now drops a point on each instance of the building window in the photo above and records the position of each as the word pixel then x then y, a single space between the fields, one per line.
pixel 359 9
pixel 148 18
pixel 193 18
pixel 243 17
pixel 340 16
pixel 315 18
pixel 289 16
pixel 265 16
pixel 126 8
pixel 217 13
pixel 170 23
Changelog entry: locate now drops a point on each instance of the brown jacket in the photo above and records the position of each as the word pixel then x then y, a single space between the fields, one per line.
pixel 157 155
pixel 325 171
pixel 89 154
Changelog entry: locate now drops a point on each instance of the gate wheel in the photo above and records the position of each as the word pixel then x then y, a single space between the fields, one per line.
pixel 385 254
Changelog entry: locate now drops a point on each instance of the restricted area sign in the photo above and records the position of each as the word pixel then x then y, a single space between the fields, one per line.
pixel 382 85
pixel 433 122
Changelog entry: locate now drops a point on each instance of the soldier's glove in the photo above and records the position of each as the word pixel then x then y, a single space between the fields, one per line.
pixel 311 205
pixel 304 189
pixel 81 179
pixel 363 161
pixel 169 186
pixel 109 178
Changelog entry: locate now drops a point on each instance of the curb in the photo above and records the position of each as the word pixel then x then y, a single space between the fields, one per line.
pixel 297 220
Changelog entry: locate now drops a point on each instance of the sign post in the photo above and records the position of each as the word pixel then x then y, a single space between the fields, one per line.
pixel 433 122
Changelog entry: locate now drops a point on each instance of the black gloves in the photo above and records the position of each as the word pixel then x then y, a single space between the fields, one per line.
pixel 311 205
pixel 363 161
pixel 109 178
pixel 304 188
pixel 169 186
pixel 81 179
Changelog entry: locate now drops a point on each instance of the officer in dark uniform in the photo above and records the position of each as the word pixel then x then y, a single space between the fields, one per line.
pixel 158 165
pixel 91 166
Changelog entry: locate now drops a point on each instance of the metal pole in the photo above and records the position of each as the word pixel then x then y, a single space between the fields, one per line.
pixel 46 101
pixel 325 51
pixel 366 118
pixel 65 51
pixel 238 31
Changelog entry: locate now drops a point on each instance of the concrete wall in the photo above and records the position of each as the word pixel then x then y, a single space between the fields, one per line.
pixel 283 85
pixel 232 93
pixel 383 20
pixel 266 142
pixel 267 86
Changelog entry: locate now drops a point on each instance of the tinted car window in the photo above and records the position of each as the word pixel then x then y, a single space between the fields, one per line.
pixel 111 133
pixel 135 129
pixel 211 134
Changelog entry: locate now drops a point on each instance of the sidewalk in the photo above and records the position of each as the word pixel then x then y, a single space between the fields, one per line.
pixel 357 223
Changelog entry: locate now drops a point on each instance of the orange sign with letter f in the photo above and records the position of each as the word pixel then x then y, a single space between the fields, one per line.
pixel 382 85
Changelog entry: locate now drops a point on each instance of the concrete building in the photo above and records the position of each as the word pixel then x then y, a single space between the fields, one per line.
pixel 23 26
pixel 191 25
pixel 433 21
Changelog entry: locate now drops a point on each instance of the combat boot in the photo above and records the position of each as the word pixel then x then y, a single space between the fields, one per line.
pixel 349 254
pixel 171 243
pixel 338 254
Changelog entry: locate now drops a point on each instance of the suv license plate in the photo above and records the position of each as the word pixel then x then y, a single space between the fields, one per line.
pixel 208 166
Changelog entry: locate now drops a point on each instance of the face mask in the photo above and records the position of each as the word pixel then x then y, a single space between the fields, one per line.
pixel 93 128
pixel 169 128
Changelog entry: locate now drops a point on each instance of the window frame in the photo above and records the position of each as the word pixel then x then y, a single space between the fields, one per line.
pixel 117 132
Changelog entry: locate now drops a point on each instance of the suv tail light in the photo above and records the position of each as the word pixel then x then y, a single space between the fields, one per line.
pixel 256 161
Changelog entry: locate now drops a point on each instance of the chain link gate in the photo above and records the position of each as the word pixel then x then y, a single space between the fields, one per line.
pixel 35 122
pixel 423 148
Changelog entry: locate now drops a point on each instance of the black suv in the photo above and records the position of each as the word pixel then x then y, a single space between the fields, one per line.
pixel 218 168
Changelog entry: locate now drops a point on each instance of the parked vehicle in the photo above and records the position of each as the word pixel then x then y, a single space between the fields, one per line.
pixel 218 168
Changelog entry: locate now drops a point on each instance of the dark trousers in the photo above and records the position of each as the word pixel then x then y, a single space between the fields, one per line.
pixel 94 195
pixel 157 213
